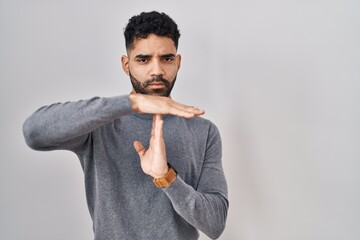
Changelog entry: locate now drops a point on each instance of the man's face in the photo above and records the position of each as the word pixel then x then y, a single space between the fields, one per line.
pixel 152 65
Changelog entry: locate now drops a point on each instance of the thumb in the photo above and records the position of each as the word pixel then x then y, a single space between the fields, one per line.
pixel 139 148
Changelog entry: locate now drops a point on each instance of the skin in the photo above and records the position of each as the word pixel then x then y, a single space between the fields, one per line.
pixel 150 57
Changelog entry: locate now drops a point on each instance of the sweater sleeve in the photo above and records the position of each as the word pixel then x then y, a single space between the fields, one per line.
pixel 67 125
pixel 206 207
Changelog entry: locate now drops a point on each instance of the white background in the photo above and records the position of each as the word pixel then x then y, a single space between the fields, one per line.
pixel 280 79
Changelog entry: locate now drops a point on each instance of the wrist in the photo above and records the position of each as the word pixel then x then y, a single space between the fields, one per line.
pixel 161 174
pixel 167 179
pixel 134 102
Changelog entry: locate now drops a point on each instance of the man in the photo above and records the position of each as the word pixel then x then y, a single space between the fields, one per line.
pixel 178 185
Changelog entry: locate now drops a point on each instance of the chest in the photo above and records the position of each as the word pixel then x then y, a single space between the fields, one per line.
pixel 185 148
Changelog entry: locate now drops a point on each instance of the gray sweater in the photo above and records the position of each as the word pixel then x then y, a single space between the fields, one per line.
pixel 122 200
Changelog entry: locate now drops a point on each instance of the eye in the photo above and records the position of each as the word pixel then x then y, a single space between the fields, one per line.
pixel 142 60
pixel 168 59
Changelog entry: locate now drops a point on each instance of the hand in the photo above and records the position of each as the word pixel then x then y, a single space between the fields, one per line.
pixel 153 161
pixel 142 103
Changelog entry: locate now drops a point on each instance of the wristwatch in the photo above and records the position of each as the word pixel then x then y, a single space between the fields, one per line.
pixel 167 180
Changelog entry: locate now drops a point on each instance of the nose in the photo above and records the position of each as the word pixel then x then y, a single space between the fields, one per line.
pixel 156 68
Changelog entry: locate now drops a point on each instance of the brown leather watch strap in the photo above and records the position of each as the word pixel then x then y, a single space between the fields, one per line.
pixel 167 180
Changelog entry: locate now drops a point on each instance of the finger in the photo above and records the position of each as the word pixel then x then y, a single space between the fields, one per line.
pixel 152 134
pixel 163 105
pixel 139 148
pixel 158 126
pixel 184 110
pixel 181 113
pixel 188 112
pixel 190 109
pixel 195 110
pixel 158 143
pixel 153 125
pixel 157 118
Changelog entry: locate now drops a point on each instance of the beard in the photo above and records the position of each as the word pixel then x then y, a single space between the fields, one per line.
pixel 142 87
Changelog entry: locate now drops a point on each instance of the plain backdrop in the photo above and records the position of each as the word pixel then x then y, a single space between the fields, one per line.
pixel 280 79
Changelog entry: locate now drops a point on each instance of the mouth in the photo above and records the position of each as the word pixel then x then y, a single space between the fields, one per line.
pixel 156 85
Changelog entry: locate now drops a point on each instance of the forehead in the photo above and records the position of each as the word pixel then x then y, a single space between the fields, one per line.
pixel 153 45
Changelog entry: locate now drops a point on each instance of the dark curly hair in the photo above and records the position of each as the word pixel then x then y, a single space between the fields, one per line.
pixel 146 23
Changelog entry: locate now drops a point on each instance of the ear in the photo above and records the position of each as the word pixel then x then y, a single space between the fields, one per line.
pixel 125 64
pixel 178 59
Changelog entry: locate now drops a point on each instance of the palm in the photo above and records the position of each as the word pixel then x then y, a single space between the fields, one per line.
pixel 153 160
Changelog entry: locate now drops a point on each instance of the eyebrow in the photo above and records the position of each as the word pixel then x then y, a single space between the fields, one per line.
pixel 148 56
pixel 142 56
pixel 167 55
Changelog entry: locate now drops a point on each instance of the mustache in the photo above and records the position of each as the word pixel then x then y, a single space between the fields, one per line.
pixel 156 78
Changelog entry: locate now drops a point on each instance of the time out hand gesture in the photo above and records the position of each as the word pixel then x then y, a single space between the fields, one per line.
pixel 143 103
pixel 153 160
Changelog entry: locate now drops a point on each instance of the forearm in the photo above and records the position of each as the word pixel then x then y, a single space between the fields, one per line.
pixel 58 125
pixel 205 211
pixel 204 204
